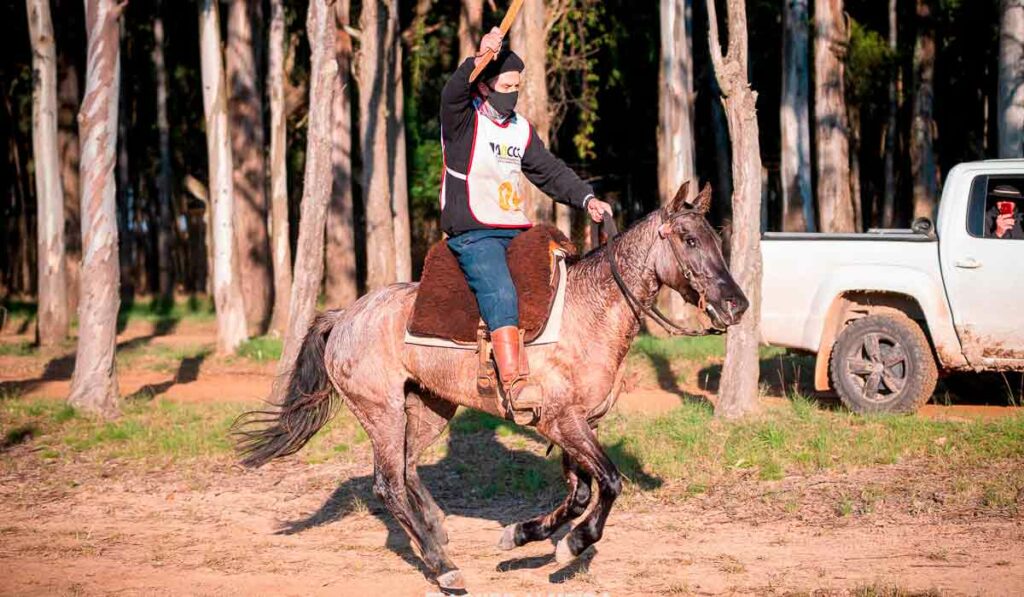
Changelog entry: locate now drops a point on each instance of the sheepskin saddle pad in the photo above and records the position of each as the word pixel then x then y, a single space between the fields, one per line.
pixel 446 313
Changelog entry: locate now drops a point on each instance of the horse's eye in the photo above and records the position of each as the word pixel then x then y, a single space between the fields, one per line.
pixel 691 242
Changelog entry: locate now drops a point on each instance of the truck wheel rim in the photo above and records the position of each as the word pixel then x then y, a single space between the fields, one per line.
pixel 877 368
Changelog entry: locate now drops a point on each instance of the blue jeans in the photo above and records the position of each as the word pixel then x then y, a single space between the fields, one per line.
pixel 481 255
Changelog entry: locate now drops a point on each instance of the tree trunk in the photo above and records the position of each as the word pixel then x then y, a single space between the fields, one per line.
pixel 922 135
pixel 675 115
pixel 399 176
pixel 888 219
pixel 316 193
pixel 279 226
pixel 227 291
pixel 797 194
pixel 529 39
pixel 165 221
pixel 835 206
pixel 67 139
pixel 126 240
pixel 341 245
pixel 377 24
pixel 94 382
pixel 855 187
pixel 471 23
pixel 52 319
pixel 1011 80
pixel 738 391
pixel 245 108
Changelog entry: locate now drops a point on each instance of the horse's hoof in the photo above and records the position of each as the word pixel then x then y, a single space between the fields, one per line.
pixel 508 538
pixel 563 554
pixel 452 582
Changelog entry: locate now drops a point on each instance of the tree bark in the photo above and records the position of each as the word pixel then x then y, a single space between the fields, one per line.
pixel 245 109
pixel 797 193
pixel 309 259
pixel 888 219
pixel 922 134
pixel 341 289
pixel 165 221
pixel 279 225
pixel 52 318
pixel 738 391
pixel 67 138
pixel 529 39
pixel 399 176
pixel 471 22
pixel 1011 80
pixel 227 291
pixel 378 25
pixel 94 383
pixel 835 206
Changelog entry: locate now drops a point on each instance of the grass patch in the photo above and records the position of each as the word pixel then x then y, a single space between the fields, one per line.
pixel 17 349
pixel 194 308
pixel 263 348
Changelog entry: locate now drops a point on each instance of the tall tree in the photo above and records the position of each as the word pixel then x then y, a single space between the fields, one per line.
pixel 675 111
pixel 341 289
pixel 471 22
pixel 68 89
pixel 245 107
pixel 888 218
pixel 94 382
pixel 529 39
pixel 378 23
pixel 737 394
pixel 797 193
pixel 399 175
pixel 165 221
pixel 316 192
pixel 281 250
pixel 52 319
pixel 1011 80
pixel 923 166
pixel 227 291
pixel 835 205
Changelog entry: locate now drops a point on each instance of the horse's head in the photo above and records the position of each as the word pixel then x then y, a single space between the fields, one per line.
pixel 691 261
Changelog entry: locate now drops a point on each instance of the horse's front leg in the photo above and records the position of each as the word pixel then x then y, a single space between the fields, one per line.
pixel 542 527
pixel 572 433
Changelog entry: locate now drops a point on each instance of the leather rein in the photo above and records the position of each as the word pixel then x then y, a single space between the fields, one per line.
pixel 639 309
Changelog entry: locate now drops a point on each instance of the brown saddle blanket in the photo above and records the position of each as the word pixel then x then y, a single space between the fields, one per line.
pixel 446 308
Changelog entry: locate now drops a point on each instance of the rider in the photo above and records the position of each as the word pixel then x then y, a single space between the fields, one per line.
pixel 487 148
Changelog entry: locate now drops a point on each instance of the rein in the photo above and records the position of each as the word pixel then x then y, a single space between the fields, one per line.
pixel 638 308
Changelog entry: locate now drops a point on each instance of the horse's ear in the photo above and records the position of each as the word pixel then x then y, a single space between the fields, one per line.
pixel 702 202
pixel 679 203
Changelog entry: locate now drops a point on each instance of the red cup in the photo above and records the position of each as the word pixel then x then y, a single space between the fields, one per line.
pixel 1005 207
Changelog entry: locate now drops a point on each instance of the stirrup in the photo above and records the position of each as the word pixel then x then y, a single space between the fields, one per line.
pixel 522 412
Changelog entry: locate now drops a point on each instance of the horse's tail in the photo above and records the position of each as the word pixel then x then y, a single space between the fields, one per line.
pixel 308 404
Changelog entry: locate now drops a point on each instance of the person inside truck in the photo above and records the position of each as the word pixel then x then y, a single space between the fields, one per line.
pixel 1005 218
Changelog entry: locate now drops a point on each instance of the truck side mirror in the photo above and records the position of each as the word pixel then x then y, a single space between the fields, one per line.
pixel 923 226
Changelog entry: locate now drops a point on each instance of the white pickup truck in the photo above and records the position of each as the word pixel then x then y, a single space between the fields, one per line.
pixel 887 311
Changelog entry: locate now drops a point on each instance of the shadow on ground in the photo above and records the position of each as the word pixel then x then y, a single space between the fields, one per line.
pixel 478 477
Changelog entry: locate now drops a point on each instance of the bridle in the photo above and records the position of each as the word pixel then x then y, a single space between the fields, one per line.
pixel 639 309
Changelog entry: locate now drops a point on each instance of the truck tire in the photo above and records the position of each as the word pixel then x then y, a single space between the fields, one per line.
pixel 883 364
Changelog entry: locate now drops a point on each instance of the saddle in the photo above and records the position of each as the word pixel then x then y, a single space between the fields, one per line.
pixel 446 309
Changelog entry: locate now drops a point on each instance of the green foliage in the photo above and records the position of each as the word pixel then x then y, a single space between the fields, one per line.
pixel 870 63
pixel 194 308
pixel 17 349
pixel 263 348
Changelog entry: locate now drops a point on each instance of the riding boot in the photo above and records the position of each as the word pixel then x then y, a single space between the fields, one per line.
pixel 514 372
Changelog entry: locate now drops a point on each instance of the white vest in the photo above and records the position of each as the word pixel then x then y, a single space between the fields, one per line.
pixel 494 179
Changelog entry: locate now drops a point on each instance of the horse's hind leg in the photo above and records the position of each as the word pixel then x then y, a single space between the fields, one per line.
pixel 426 418
pixel 542 527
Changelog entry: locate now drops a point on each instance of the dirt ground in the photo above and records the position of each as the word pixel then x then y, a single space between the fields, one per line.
pixel 88 528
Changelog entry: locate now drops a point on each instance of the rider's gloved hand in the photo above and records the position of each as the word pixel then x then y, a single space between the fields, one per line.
pixel 597 209
pixel 491 41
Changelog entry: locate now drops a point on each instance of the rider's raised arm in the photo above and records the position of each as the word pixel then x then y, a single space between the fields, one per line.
pixel 552 176
pixel 457 98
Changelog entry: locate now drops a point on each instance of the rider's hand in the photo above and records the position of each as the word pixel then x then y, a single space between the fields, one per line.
pixel 491 41
pixel 1004 223
pixel 597 209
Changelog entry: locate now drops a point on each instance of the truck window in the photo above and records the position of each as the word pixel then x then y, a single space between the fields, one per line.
pixel 996 208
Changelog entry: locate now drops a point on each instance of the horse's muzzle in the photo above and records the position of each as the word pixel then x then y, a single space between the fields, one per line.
pixel 729 310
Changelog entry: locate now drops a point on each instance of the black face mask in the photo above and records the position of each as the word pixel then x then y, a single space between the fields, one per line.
pixel 503 103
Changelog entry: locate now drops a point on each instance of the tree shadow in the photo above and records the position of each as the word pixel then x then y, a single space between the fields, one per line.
pixel 786 375
pixel 667 379
pixel 188 371
pixel 478 477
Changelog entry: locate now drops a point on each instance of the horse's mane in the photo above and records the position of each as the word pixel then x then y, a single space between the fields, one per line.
pixel 596 254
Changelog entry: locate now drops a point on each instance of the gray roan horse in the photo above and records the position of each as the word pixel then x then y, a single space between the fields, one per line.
pixel 404 395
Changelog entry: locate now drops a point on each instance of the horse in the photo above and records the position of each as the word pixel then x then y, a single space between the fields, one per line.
pixel 404 395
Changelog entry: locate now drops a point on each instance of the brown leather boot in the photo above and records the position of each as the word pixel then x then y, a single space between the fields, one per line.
pixel 514 371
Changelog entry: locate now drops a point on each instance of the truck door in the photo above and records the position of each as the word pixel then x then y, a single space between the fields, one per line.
pixel 983 267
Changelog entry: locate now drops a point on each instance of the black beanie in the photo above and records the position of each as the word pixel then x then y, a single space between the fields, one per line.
pixel 505 62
